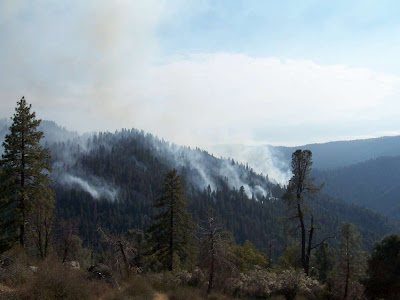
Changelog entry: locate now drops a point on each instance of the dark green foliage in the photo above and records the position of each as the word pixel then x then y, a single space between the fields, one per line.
pixel 170 233
pixel 383 281
pixel 248 257
pixel 25 176
pixel 290 258
pixel 324 261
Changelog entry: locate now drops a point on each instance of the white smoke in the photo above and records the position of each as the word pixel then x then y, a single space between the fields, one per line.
pixel 96 188
pixel 263 159
pixel 207 169
pixel 66 158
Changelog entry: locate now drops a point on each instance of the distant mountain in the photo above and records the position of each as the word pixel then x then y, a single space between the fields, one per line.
pixel 374 183
pixel 343 153
pixel 4 125
pixel 275 160
pixel 53 132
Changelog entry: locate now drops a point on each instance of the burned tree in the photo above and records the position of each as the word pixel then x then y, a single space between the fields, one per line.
pixel 301 187
pixel 351 264
pixel 123 250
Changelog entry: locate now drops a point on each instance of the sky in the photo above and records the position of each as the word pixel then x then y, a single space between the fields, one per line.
pixel 201 73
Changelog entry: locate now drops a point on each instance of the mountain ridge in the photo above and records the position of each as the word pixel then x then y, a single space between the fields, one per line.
pixel 112 179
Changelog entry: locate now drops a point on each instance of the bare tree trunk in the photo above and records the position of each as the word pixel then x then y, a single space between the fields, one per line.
pixel 22 225
pixel 127 268
pixel 346 287
pixel 212 265
pixel 22 229
pixel 211 278
pixel 303 237
pixel 47 236
pixel 65 252
pixel 309 247
pixel 39 241
pixel 171 240
pixel 270 256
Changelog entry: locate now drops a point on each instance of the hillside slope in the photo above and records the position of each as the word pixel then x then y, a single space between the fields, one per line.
pixel 343 153
pixel 374 183
pixel 124 171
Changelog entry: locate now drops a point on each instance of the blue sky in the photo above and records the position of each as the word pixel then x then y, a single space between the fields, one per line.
pixel 206 72
pixel 355 33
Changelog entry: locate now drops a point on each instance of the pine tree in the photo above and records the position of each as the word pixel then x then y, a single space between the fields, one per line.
pixel 383 280
pixel 324 261
pixel 170 233
pixel 351 264
pixel 26 197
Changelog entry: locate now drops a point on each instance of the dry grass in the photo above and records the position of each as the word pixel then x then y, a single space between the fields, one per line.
pixel 55 281
pixel 137 288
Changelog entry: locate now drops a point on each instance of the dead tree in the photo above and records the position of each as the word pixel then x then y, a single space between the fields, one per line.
pixel 68 242
pixel 214 249
pixel 301 187
pixel 123 250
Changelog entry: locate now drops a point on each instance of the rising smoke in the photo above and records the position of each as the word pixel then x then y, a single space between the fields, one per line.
pixel 263 159
pixel 207 170
pixel 96 187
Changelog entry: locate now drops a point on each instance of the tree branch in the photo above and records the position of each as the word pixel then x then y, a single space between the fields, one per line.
pixel 324 240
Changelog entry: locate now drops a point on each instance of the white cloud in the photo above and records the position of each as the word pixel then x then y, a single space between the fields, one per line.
pixel 227 98
pixel 99 66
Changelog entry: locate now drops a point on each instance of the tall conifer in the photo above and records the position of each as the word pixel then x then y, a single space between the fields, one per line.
pixel 25 172
pixel 170 233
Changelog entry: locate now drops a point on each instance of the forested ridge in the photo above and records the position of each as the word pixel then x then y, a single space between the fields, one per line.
pixel 125 169
pixel 332 155
pixel 373 183
pixel 131 163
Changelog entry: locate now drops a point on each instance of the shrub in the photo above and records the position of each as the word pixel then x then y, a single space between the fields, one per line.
pixel 55 281
pixel 293 282
pixel 257 283
pixel 184 293
pixel 14 269
pixel 139 288
pixel 168 280
pixel 261 283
